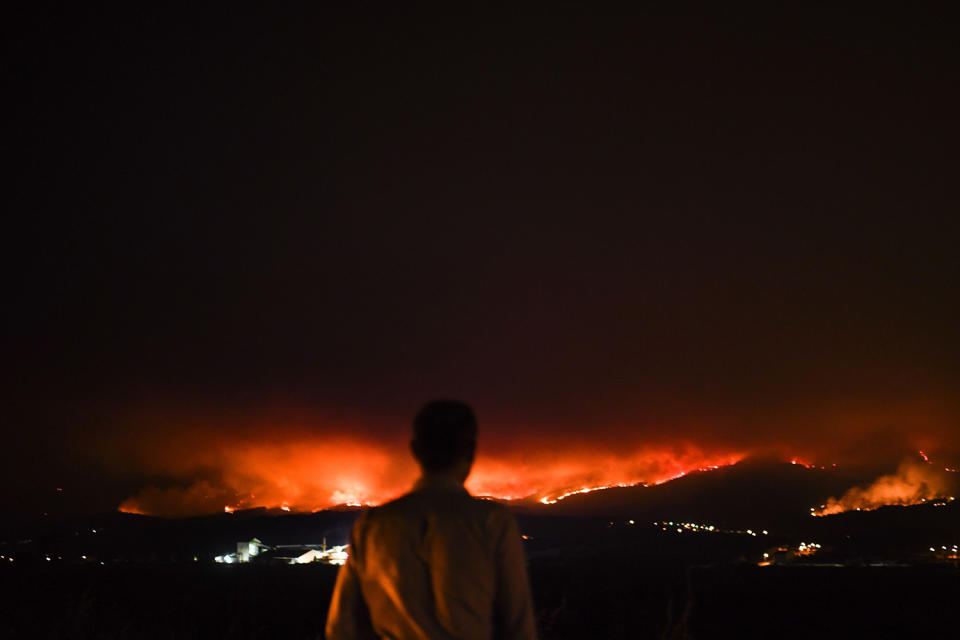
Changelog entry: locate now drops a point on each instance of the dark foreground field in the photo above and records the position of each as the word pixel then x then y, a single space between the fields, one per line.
pixel 589 596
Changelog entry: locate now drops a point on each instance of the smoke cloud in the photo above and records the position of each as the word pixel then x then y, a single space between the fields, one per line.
pixel 913 483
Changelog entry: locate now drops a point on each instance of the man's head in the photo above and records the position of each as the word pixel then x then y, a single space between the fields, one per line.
pixel 445 437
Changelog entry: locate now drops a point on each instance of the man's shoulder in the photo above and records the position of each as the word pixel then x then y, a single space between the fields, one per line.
pixel 490 506
pixel 374 513
pixel 495 516
pixel 419 500
pixel 399 507
pixel 398 504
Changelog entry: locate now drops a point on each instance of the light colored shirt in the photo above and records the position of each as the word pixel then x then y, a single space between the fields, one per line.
pixel 434 564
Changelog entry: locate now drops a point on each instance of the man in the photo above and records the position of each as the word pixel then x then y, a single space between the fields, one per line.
pixel 436 563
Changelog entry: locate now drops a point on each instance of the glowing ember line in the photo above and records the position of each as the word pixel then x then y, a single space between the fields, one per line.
pixel 711 467
pixel 665 480
pixel 549 500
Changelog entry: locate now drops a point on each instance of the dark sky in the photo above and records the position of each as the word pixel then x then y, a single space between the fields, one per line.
pixel 611 229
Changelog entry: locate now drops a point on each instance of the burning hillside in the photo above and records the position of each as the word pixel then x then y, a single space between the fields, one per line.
pixel 313 475
pixel 200 462
pixel 914 483
pixel 308 476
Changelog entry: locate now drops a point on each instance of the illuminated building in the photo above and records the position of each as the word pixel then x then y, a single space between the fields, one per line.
pixel 255 550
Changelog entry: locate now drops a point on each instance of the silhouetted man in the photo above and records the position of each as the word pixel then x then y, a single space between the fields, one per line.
pixel 435 563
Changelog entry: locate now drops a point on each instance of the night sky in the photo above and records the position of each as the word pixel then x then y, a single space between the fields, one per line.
pixel 241 244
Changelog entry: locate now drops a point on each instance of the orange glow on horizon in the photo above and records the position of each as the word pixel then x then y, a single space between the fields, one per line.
pixel 305 477
pixel 311 476
pixel 214 463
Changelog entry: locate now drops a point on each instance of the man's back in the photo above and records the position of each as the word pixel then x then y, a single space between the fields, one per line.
pixel 435 563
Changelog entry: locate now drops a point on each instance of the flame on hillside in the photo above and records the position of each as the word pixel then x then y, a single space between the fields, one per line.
pixel 313 475
pixel 913 483
pixel 554 498
pixel 196 459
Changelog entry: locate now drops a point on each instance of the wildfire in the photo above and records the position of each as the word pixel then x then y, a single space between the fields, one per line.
pixel 558 498
pixel 912 484
pixel 553 498
pixel 809 465
pixel 308 476
pixel 297 471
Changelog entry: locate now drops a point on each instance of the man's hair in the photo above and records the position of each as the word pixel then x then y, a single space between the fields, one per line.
pixel 444 433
